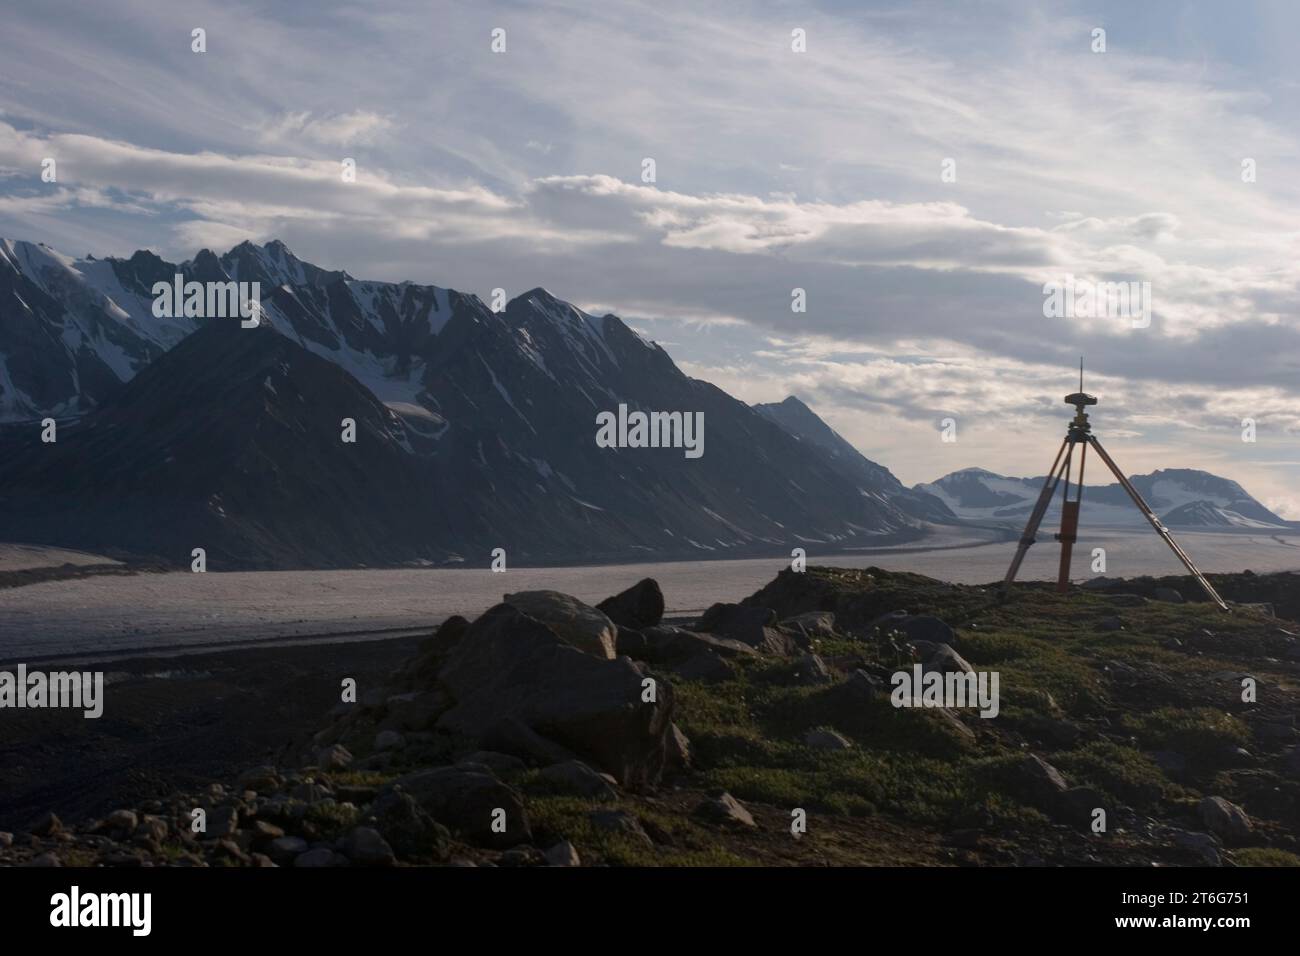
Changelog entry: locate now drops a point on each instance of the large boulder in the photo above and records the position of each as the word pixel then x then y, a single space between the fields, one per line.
pixel 511 667
pixel 468 800
pixel 755 626
pixel 575 623
pixel 1225 818
pixel 409 828
pixel 641 605
pixel 693 655
pixel 810 626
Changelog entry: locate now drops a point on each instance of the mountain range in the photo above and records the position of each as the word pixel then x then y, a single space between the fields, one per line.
pixel 474 430
pixel 1180 497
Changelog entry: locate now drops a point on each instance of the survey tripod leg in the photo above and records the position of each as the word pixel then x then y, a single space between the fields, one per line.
pixel 1036 516
pixel 1156 523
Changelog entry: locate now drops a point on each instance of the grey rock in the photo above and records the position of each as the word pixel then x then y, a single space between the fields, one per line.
pixel 749 625
pixel 122 820
pixel 679 749
pixel 867 685
pixel 336 757
pixel 923 627
pixel 705 666
pixel 467 800
pixel 575 623
pixel 512 736
pixel 1038 782
pixel 408 828
pixel 827 739
pixel 1224 818
pixel 622 823
pixel 811 625
pixel 574 776
pixel 284 850
pixel 222 822
pixel 1204 845
pixel 813 671
pixel 364 846
pixel 264 779
pixel 946 661
pixel 389 740
pixel 311 792
pixel 726 810
pixel 511 666
pixel 321 856
pixel 497 762
pixel 563 854
pixel 641 605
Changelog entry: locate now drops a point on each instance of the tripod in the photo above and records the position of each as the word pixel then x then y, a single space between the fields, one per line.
pixel 1080 435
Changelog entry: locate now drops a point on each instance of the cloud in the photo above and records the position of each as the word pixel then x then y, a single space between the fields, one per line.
pixel 775 170
pixel 343 129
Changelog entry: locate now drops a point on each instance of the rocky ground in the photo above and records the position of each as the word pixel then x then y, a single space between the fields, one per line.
pixel 548 732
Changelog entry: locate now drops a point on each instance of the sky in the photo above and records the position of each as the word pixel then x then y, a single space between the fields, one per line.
pixel 921 170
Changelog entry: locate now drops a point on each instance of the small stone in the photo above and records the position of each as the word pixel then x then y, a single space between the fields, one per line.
pixel 945 660
pixel 263 779
pixel 365 847
pixel 496 762
pixel 563 854
pixel 866 685
pixel 233 850
pixel 576 777
pixel 122 820
pixel 1203 844
pixel 725 809
pixel 222 822
pixel 261 830
pixel 678 748
pixel 286 849
pixel 1224 818
pixel 336 757
pixel 388 740
pixel 620 822
pixel 827 739
pixel 44 859
pixel 522 855
pixel 813 670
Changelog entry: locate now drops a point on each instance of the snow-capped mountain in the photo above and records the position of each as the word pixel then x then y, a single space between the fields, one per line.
pixel 1179 497
pixel 476 429
pixel 73 330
